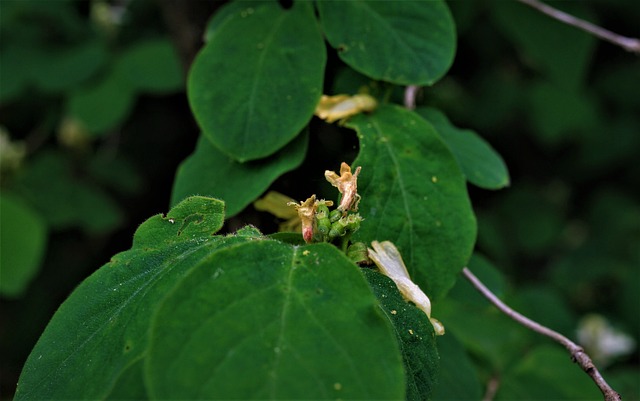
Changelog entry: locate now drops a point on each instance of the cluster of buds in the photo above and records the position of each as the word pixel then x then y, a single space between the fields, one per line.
pixel 319 224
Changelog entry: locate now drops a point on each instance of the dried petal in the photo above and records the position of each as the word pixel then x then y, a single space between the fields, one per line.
pixel 306 211
pixel 347 184
pixel 386 256
pixel 338 107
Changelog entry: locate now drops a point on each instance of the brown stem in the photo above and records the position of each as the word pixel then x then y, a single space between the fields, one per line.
pixel 629 44
pixel 577 353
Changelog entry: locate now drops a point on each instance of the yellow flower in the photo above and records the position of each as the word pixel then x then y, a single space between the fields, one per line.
pixel 386 256
pixel 347 184
pixel 306 211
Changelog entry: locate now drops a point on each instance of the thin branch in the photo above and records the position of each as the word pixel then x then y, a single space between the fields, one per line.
pixel 629 44
pixel 577 353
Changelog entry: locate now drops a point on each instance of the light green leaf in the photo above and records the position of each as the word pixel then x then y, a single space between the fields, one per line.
pixel 480 163
pixel 23 237
pixel 414 195
pixel 256 83
pixel 414 333
pixel 151 66
pixel 268 320
pixel 403 42
pixel 212 173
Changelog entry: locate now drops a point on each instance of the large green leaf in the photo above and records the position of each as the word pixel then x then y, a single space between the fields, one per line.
pixel 23 237
pixel 256 83
pixel 188 314
pixel 458 377
pixel 268 320
pixel 414 195
pixel 404 42
pixel 210 172
pixel 101 329
pixel 415 335
pixel 479 162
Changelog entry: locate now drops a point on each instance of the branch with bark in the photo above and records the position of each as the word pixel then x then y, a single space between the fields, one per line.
pixel 578 355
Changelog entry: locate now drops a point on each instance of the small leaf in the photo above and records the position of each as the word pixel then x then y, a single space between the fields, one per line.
pixel 63 199
pixel 267 320
pixel 414 195
pixel 403 42
pixel 414 333
pixel 151 66
pixel 103 105
pixel 210 172
pixel 256 83
pixel 480 163
pixel 23 237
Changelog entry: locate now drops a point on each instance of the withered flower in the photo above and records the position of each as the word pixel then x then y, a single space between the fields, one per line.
pixel 347 184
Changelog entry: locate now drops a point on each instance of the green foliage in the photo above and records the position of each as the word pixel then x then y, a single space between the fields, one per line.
pixel 22 236
pixel 255 84
pixel 274 309
pixel 200 307
pixel 414 195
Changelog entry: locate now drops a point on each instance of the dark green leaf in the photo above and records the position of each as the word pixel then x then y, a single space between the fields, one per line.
pixel 210 172
pixel 414 195
pixel 151 66
pixel 256 83
pixel 101 329
pixel 23 237
pixel 403 42
pixel 480 163
pixel 231 10
pixel 65 200
pixel 104 105
pixel 458 377
pixel 268 320
pixel 561 51
pixel 414 333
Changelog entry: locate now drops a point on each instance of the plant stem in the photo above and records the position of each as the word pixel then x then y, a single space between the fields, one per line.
pixel 577 353
pixel 629 44
pixel 410 94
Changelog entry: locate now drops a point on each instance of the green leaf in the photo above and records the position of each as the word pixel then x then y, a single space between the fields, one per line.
pixel 268 320
pixel 414 333
pixel 414 195
pixel 23 237
pixel 103 105
pixel 558 114
pixel 64 68
pixel 547 372
pixel 458 377
pixel 101 329
pixel 230 11
pixel 210 172
pixel 151 66
pixel 256 83
pixel 560 51
pixel 403 42
pixel 479 162
pixel 63 199
pixel 280 309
